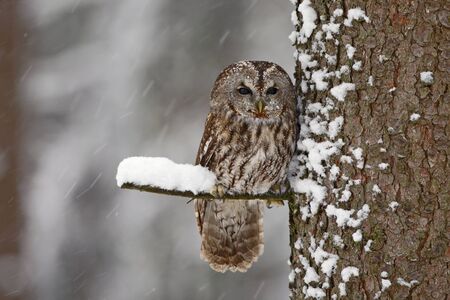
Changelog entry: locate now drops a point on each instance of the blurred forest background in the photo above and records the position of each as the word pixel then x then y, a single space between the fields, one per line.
pixel 86 83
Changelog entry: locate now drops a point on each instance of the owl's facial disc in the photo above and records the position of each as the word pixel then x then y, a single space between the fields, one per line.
pixel 253 90
pixel 258 102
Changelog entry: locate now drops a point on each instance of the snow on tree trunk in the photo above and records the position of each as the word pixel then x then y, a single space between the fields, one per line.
pixel 372 79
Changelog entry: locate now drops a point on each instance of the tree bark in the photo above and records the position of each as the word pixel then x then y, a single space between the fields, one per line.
pixel 410 242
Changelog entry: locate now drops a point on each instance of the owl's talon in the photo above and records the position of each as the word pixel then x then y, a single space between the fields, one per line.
pixel 276 188
pixel 214 191
pixel 274 203
pixel 218 191
pixel 221 191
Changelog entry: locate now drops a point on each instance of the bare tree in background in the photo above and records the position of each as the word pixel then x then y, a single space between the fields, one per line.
pixel 395 141
pixel 9 112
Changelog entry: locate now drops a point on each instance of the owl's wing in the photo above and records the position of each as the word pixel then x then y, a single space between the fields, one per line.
pixel 205 156
pixel 200 208
pixel 208 143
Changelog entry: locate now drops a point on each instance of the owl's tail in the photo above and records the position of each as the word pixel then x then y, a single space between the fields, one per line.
pixel 232 234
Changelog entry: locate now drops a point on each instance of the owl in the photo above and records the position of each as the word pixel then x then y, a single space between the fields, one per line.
pixel 248 142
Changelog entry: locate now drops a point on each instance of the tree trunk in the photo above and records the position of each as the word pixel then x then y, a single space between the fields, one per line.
pixel 9 110
pixel 400 122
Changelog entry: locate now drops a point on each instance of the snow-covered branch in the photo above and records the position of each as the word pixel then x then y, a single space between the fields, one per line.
pixel 162 176
pixel 189 194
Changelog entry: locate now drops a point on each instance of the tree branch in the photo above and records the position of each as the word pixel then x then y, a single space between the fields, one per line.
pixel 151 189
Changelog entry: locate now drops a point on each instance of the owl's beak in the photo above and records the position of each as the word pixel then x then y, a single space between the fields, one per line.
pixel 260 105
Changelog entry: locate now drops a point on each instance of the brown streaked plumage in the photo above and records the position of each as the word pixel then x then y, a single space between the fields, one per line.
pixel 248 142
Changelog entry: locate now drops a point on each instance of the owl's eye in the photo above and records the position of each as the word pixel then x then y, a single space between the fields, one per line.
pixel 244 91
pixel 271 91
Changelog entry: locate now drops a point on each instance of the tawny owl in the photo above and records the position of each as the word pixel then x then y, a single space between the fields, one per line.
pixel 248 142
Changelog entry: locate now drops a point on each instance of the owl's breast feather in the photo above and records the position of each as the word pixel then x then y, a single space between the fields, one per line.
pixel 257 166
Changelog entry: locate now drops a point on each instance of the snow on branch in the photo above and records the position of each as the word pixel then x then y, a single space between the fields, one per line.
pixel 163 173
pixel 162 176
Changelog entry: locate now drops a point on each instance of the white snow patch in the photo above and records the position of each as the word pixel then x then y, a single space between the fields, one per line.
pixel 315 193
pixel 334 127
pixel 383 166
pixel 357 65
pixel 165 174
pixel 334 172
pixel 329 265
pixel 294 18
pixel 355 14
pixel 391 90
pixel 342 70
pixel 350 50
pixel 370 80
pixel 346 194
pixel 314 107
pixel 346 159
pixel 318 78
pixel 311 276
pixel 363 213
pixel 385 284
pixel 348 272
pixel 384 274
pixel 298 244
pixel 315 292
pixel 338 241
pixel 357 236
pixel 317 126
pixel 318 46
pixel 393 205
pixel 319 152
pixel 304 86
pixel 327 108
pixel 426 77
pixel 342 289
pixel 309 17
pixel 358 154
pixel 331 59
pixel 292 276
pixel 355 182
pixel 344 217
pixel 403 282
pixel 340 91
pixel 316 251
pixel 376 189
pixel 338 12
pixel 383 149
pixel 327 261
pixel 368 245
pixel 382 58
pixel 414 117
pixel 330 29
pixel 293 37
pixel 306 61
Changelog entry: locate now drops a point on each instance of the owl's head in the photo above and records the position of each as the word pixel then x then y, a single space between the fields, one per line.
pixel 253 90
